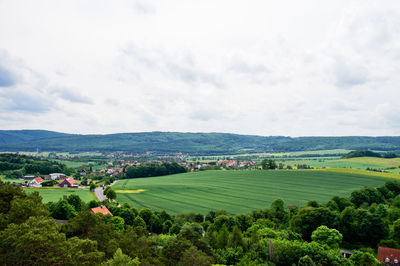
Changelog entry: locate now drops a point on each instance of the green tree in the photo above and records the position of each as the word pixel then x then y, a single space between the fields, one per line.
pixel 138 221
pixel 364 259
pixel 117 224
pixel 38 242
pixel 62 210
pixel 308 219
pixel 120 259
pixel 306 261
pixel 330 237
pixel 268 164
pixel 111 194
pixel 193 256
pixel 76 202
pixel 236 238
pixel 223 237
pixel 243 221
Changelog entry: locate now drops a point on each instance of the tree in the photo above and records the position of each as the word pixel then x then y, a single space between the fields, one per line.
pixel 192 256
pixel 21 208
pixel 174 249
pixel 138 221
pixel 38 242
pixel 223 237
pixel 268 164
pixel 308 219
pixel 62 210
pixel 243 221
pixel 330 237
pixel 117 224
pixel 110 193
pixel 306 261
pixel 76 202
pixel 120 259
pixel 364 259
pixel 236 238
pixel 146 214
pixel 155 224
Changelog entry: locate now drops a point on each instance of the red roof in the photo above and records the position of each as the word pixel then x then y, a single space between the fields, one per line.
pixel 71 180
pixel 39 179
pixel 102 209
pixel 388 253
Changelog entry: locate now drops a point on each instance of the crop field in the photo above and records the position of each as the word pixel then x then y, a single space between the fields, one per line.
pixel 54 194
pixel 241 191
pixel 359 162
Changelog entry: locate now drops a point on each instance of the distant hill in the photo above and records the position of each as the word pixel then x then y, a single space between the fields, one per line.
pixel 192 143
pixel 18 136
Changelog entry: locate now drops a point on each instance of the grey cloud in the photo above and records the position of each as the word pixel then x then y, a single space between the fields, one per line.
pixel 7 79
pixel 26 101
pixel 70 95
pixel 144 8
pixel 185 69
pixel 347 75
pixel 243 67
pixel 191 75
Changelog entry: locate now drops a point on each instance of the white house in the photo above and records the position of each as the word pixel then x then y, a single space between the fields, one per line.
pixel 36 182
pixel 55 176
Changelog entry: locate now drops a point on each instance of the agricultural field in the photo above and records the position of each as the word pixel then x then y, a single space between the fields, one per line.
pixel 54 194
pixel 241 191
pixel 358 162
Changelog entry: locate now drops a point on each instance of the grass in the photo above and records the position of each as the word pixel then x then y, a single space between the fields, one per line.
pixel 54 194
pixel 359 162
pixel 241 191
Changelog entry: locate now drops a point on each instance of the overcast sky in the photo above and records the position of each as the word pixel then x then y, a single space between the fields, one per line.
pixel 292 68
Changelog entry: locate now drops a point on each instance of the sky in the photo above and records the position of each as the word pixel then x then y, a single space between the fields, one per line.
pixel 291 68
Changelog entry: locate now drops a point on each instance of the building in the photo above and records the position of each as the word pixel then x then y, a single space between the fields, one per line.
pixel 36 182
pixel 55 176
pixel 102 209
pixel 69 183
pixel 389 256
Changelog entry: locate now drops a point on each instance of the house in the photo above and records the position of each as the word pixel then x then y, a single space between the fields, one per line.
pixel 55 176
pixel 389 256
pixel 28 177
pixel 102 209
pixel 36 182
pixel 69 183
pixel 83 172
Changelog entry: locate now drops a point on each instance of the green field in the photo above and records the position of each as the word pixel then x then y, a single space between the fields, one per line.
pixel 359 162
pixel 54 194
pixel 240 191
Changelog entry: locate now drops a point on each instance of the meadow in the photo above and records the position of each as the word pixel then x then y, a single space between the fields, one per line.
pixel 54 194
pixel 241 191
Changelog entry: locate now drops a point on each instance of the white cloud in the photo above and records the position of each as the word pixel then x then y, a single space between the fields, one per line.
pixel 258 67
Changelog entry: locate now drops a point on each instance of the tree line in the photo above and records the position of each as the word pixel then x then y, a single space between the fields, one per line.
pixel 149 170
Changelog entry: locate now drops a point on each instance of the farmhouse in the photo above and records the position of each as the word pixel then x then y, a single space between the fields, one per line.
pixel 389 256
pixel 55 176
pixel 69 182
pixel 102 209
pixel 36 182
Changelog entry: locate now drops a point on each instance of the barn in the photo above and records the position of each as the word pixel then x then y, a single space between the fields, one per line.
pixel 69 183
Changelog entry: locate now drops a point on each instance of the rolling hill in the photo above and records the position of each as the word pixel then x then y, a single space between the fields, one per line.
pixel 191 143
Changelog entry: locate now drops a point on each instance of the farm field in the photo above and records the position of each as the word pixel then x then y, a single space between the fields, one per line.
pixel 359 162
pixel 240 191
pixel 54 194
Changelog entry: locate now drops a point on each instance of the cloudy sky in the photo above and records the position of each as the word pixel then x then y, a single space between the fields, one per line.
pixel 293 68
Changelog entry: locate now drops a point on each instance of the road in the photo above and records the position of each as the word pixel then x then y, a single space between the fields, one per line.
pixel 99 192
